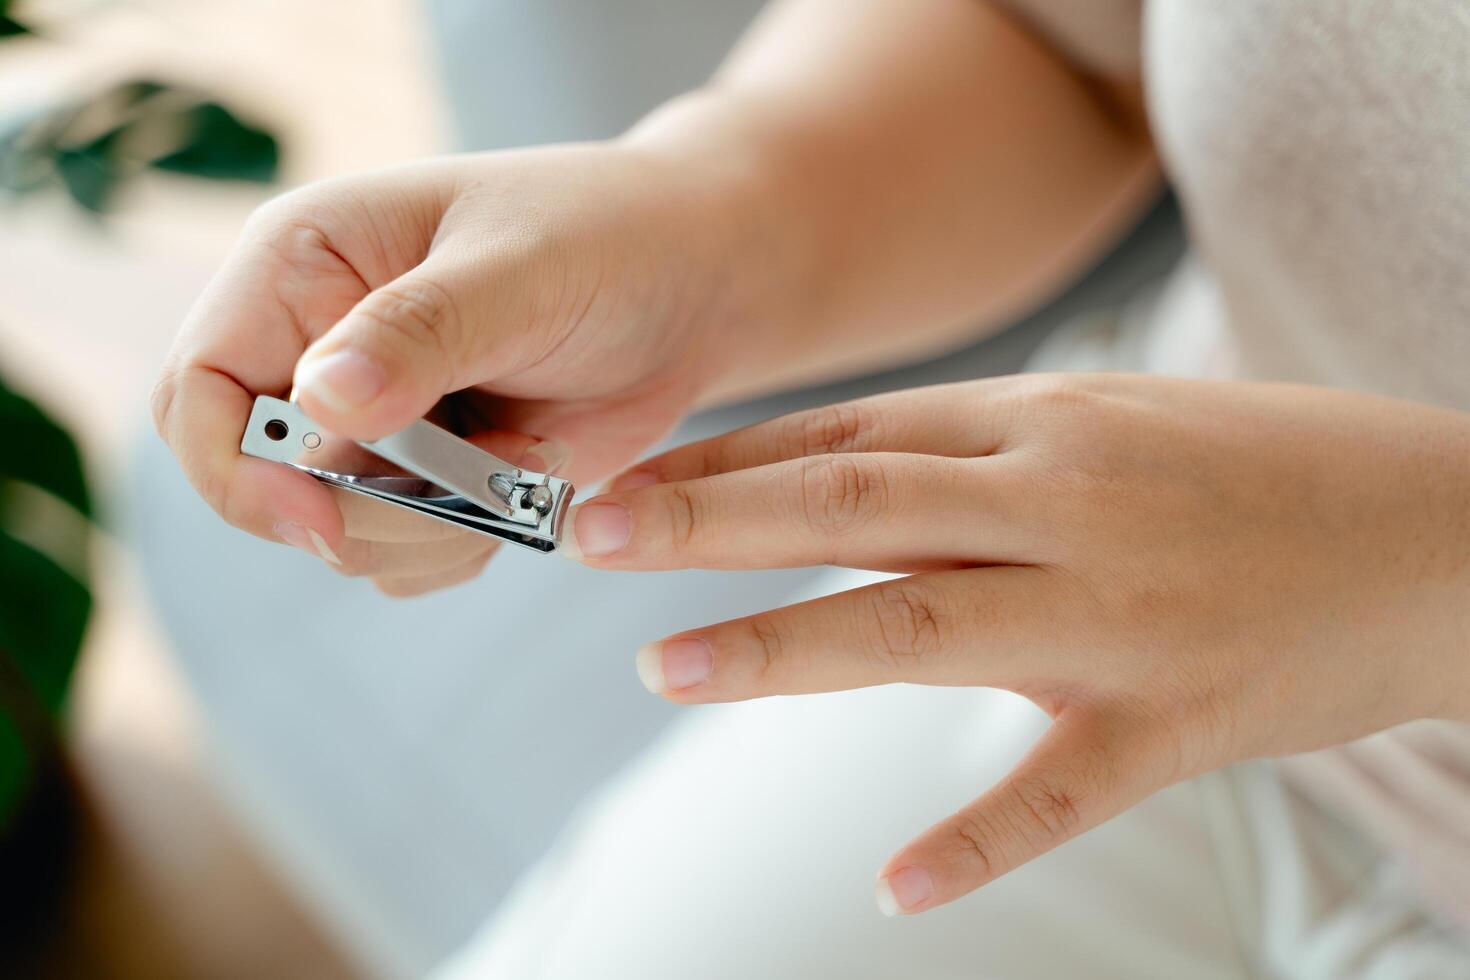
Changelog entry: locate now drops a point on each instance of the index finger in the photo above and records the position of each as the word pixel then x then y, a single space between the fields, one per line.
pixel 201 413
pixel 243 338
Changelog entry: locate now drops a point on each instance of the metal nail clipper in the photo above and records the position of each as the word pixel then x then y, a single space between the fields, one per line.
pixel 431 471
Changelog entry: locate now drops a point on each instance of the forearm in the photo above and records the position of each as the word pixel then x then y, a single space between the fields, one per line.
pixel 1449 549
pixel 902 174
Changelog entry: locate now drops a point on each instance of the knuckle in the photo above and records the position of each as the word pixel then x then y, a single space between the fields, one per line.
pixel 718 456
pixel 831 429
pixel 1062 394
pixel 311 204
pixel 839 493
pixel 903 624
pixel 973 838
pixel 267 218
pixel 296 218
pixel 686 518
pixel 1047 808
pixel 1033 814
pixel 769 644
pixel 419 311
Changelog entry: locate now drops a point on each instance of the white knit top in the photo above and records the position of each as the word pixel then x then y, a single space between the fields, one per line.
pixel 1321 150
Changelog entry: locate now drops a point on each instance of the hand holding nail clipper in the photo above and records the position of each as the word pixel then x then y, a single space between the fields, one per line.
pixel 424 291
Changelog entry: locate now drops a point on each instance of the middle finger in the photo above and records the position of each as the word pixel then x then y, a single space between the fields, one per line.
pixel 963 419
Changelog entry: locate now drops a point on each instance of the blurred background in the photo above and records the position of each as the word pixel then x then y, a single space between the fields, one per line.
pixel 216 758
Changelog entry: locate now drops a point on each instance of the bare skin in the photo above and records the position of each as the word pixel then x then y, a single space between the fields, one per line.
pixel 1184 574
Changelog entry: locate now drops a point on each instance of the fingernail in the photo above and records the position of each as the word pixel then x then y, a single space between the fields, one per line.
pixel 547 456
pixel 596 530
pixel 674 665
pixel 344 380
pixel 635 479
pixel 903 891
pixel 303 537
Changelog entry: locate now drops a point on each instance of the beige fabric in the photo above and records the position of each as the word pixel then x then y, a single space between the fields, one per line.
pixel 1321 149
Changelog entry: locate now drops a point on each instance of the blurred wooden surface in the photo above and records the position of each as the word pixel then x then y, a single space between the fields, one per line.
pixel 167 884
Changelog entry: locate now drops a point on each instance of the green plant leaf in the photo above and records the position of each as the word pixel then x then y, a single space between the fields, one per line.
pixel 15 765
pixel 43 616
pixel 92 171
pixel 43 607
pixel 95 145
pixel 221 146
pixel 41 453
pixel 90 178
pixel 9 26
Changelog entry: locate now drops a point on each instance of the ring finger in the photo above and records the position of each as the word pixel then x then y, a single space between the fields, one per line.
pixel 891 511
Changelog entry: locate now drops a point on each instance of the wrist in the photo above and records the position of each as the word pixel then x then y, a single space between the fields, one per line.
pixel 745 262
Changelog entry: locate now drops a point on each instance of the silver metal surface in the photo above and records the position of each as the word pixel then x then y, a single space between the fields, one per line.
pixel 432 471
pixel 447 460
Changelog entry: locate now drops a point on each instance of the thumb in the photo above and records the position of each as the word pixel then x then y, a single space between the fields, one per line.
pixel 390 359
pixel 1076 777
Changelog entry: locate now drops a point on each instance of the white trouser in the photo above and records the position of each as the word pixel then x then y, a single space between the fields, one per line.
pixel 744 845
